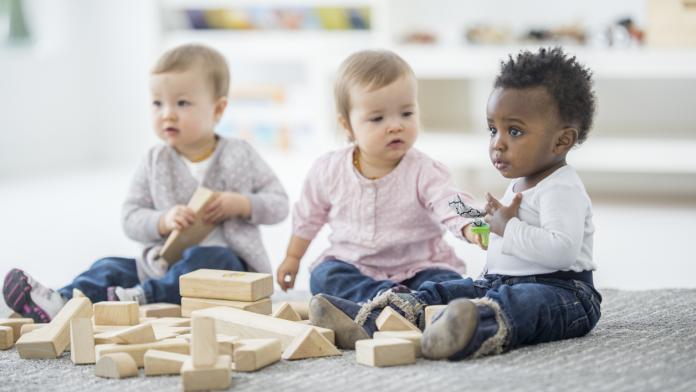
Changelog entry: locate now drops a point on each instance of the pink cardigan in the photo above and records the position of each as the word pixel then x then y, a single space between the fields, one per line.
pixel 389 228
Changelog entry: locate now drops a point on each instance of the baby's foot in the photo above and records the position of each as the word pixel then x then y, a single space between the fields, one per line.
pixel 30 298
pixel 352 322
pixel 118 293
pixel 451 330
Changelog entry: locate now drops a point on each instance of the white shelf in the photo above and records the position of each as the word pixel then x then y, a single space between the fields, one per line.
pixel 484 61
pixel 624 155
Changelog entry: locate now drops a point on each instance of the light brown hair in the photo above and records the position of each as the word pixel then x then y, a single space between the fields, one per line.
pixel 372 69
pixel 185 57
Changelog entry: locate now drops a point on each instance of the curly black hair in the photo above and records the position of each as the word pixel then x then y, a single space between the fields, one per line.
pixel 567 82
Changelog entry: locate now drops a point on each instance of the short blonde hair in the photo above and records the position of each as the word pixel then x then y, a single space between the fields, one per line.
pixel 186 57
pixel 373 69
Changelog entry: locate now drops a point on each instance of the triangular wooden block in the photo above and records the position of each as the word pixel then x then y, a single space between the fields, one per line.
pixel 286 312
pixel 311 344
pixel 391 320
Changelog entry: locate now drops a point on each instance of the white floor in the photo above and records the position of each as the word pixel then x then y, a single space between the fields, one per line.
pixel 55 226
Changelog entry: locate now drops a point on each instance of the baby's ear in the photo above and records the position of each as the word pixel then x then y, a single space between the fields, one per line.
pixel 565 140
pixel 346 127
pixel 220 106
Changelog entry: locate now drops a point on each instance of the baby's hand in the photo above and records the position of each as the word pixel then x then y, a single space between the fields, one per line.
pixel 473 238
pixel 178 217
pixel 498 215
pixel 226 205
pixel 287 271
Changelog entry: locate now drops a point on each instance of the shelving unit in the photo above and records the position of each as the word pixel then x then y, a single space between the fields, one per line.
pixel 644 133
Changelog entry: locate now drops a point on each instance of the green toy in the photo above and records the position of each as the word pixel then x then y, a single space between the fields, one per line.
pixel 484 230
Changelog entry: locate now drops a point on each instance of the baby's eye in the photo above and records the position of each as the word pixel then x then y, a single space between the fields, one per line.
pixel 183 102
pixel 156 104
pixel 515 132
pixel 376 119
pixel 492 130
pixel 407 114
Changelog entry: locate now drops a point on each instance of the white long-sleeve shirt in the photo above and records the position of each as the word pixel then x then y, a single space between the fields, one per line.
pixel 553 230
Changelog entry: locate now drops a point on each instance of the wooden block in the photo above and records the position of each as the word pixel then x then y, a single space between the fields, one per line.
pixel 390 320
pixel 384 352
pixel 116 313
pixel 214 377
pixel 204 349
pixel 15 315
pixel 51 340
pixel 172 321
pixel 141 333
pixel 244 324
pixel 77 293
pixel 225 343
pixel 6 337
pixel 222 284
pixel 430 312
pixel 137 351
pixel 253 354
pixel 188 305
pixel 81 341
pixel 302 308
pixel 16 325
pixel 162 362
pixel 311 344
pixel 286 312
pixel 26 328
pixel 180 240
pixel 412 336
pixel 116 365
pixel 160 309
pixel 166 332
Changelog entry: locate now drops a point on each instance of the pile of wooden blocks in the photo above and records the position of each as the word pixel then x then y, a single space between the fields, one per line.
pixel 224 325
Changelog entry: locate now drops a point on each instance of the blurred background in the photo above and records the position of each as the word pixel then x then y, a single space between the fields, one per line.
pixel 74 111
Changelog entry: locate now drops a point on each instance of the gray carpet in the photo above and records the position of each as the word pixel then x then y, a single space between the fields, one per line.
pixel 645 341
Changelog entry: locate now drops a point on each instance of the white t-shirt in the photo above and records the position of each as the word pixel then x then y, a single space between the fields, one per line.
pixel 198 170
pixel 553 230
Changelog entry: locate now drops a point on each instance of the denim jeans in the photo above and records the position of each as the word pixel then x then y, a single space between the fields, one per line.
pixel 534 309
pixel 341 279
pixel 117 271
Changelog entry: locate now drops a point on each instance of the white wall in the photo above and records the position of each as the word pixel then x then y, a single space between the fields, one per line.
pixel 77 96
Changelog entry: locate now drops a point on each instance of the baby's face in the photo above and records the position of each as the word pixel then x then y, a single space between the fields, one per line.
pixel 184 110
pixel 523 125
pixel 384 122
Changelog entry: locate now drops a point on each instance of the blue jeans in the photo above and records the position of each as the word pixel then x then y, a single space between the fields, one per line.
pixel 534 309
pixel 116 271
pixel 341 279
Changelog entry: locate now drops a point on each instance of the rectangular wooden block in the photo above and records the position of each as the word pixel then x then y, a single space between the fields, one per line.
pixel 204 349
pixel 188 305
pixel 137 351
pixel 162 362
pixel 16 325
pixel 81 341
pixel 245 324
pixel 200 379
pixel 116 313
pixel 253 354
pixel 51 340
pixel 384 352
pixel 222 284
pixel 430 312
pixel 161 309
pixel 6 337
pixel 412 336
pixel 180 240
